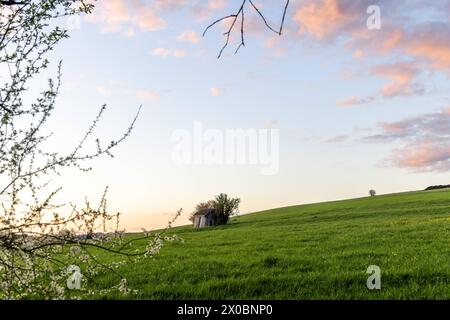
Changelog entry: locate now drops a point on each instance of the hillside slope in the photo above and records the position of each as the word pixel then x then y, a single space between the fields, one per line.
pixel 317 251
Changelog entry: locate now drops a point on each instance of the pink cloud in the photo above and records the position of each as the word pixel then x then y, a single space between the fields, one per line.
pixel 393 39
pixel 147 19
pixel 123 16
pixel 204 10
pixel 354 100
pixel 217 4
pixel 402 82
pixel 425 43
pixel 148 95
pixel 320 18
pixel 215 91
pixel 425 155
pixel 189 36
pixel 325 19
pixel 112 14
pixel 272 41
pixel 431 44
pixel 401 76
pixel 358 54
pixel 164 52
pixel 424 141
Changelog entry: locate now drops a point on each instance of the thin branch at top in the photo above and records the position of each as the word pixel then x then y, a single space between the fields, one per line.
pixel 240 13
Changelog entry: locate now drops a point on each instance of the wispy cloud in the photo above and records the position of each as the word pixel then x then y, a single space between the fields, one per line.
pixel 401 76
pixel 103 90
pixel 217 4
pixel 402 82
pixel 164 52
pixel 337 139
pixel 147 19
pixel 148 95
pixel 122 88
pixel 354 100
pixel 216 91
pixel 112 15
pixel 424 141
pixel 189 36
pixel 124 16
pixel 204 10
pixel 327 19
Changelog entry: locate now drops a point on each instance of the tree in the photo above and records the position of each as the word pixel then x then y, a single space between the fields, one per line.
pixel 224 208
pixel 372 193
pixel 37 242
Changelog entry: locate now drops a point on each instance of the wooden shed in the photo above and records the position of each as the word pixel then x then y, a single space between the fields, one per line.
pixel 204 218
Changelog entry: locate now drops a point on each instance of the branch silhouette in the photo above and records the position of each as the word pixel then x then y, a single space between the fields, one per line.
pixel 240 13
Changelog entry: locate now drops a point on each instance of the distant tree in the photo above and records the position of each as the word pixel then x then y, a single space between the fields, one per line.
pixel 225 207
pixel 372 193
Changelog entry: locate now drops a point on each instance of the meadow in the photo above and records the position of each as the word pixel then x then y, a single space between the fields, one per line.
pixel 316 251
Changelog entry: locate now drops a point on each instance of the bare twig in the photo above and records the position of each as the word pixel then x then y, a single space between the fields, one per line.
pixel 240 14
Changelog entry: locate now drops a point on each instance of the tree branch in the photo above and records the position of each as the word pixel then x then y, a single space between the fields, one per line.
pixel 240 13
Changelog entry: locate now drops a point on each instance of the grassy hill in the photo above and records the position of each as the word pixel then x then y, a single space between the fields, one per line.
pixel 317 251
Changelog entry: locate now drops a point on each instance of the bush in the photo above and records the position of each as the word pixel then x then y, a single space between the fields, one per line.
pixel 224 208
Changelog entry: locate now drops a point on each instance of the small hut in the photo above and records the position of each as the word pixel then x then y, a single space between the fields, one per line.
pixel 204 218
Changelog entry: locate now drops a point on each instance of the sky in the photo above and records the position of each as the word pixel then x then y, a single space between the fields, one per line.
pixel 350 102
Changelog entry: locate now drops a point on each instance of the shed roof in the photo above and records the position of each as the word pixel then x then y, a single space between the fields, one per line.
pixel 204 212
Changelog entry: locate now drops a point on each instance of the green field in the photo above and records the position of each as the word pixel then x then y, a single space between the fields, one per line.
pixel 317 251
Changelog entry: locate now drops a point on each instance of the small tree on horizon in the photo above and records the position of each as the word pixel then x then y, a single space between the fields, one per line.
pixel 372 193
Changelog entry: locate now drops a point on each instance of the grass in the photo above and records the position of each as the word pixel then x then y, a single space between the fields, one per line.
pixel 317 251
